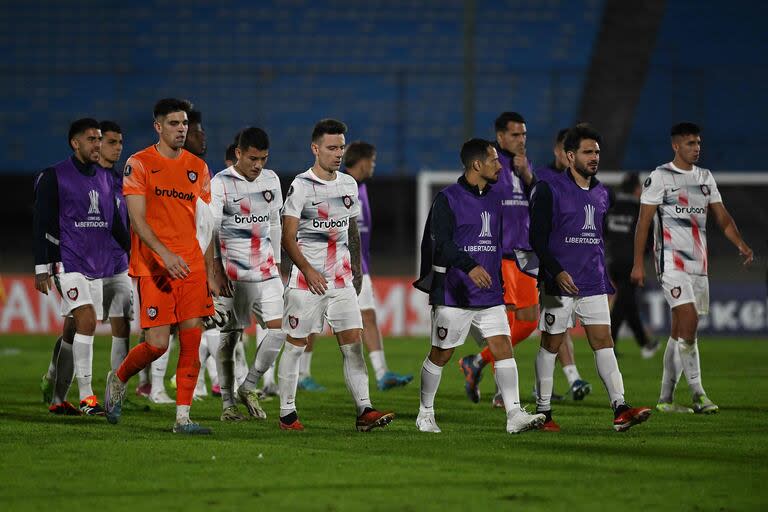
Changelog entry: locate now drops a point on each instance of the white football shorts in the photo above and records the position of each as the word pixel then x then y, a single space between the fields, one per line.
pixel 450 325
pixel 117 292
pixel 264 299
pixel 559 313
pixel 77 290
pixel 683 288
pixel 305 311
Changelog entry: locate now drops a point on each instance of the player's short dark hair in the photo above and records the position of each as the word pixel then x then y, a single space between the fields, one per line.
pixel 357 151
pixel 575 135
pixel 169 105
pixel 253 137
pixel 329 127
pixel 110 126
pixel 684 128
pixel 79 126
pixel 630 182
pixel 195 117
pixel 474 149
pixel 230 153
pixel 560 138
pixel 505 118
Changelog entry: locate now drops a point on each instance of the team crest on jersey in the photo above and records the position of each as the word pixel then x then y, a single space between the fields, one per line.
pixel 268 196
pixel 442 333
pixel 293 321
pixel 152 312
pixel 72 294
pixel 675 292
pixel 647 182
pixel 192 175
pixel 549 318
pixel 347 201
pixel 127 171
pixel 705 190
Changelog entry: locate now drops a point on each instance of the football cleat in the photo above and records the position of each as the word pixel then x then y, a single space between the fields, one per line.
pixel 473 374
pixel 673 408
pixel 250 399
pixel 549 424
pixel 194 429
pixel 579 389
pixel 65 409
pixel 498 401
pixel 371 418
pixel 291 422
pixel 161 397
pixel 520 420
pixel 650 349
pixel 231 413
pixel 113 398
pixel 393 380
pixel 703 405
pixel 425 422
pixel 626 417
pixel 90 406
pixel 46 386
pixel 144 390
pixel 309 384
pixel 216 390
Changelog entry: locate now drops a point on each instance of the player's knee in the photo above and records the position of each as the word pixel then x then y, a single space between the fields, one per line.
pixel 85 320
pixel 440 356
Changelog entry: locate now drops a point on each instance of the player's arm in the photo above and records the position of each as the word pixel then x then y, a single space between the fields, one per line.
pixel 315 280
pixel 218 275
pixel 644 220
pixel 446 253
pixel 353 233
pixel 540 230
pixel 120 232
pixel 137 211
pixel 731 232
pixel 45 226
pixel 275 226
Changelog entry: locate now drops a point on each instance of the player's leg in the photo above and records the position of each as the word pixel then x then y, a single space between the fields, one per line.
pixel 343 314
pixel 578 388
pixel 648 346
pixel 385 379
pixel 64 372
pixel 159 369
pixel 594 315
pixel 49 377
pixel 203 355
pixel 306 381
pixel 229 335
pixel 267 305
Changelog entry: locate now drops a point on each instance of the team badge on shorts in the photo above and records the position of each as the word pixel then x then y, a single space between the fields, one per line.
pixel 72 294
pixel 127 171
pixel 705 189
pixel 192 175
pixel 675 292
pixel 647 182
pixel 549 318
pixel 293 321
pixel 347 201
pixel 268 196
pixel 152 312
pixel 442 332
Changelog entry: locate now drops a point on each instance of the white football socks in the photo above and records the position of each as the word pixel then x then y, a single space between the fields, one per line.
pixel 571 373
pixel 305 365
pixel 226 366
pixel 689 356
pixel 608 369
pixel 82 351
pixel 182 414
pixel 241 365
pixel 356 375
pixel 507 382
pixel 265 357
pixel 430 381
pixel 545 370
pixel 119 351
pixel 379 363
pixel 288 378
pixel 672 370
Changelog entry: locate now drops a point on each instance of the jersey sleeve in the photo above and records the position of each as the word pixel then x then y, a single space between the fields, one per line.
pixel 205 185
pixel 134 178
pixel 653 190
pixel 714 193
pixel 295 199
pixel 217 201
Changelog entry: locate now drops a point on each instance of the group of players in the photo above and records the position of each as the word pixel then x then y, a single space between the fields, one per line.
pixel 203 248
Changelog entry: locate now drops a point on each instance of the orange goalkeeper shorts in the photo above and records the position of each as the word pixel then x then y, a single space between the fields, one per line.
pixel 166 301
pixel 519 288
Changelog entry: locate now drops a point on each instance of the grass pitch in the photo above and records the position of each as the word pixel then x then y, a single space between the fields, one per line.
pixel 669 463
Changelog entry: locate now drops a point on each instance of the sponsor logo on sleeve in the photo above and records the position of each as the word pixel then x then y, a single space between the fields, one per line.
pixel 647 182
pixel 127 171
pixel 290 191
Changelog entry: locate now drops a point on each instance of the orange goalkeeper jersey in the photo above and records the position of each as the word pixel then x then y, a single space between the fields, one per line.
pixel 172 188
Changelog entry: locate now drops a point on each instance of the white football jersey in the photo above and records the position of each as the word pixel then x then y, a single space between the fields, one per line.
pixel 680 224
pixel 324 210
pixel 247 220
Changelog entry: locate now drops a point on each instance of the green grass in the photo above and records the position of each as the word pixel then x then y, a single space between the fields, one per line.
pixel 669 463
